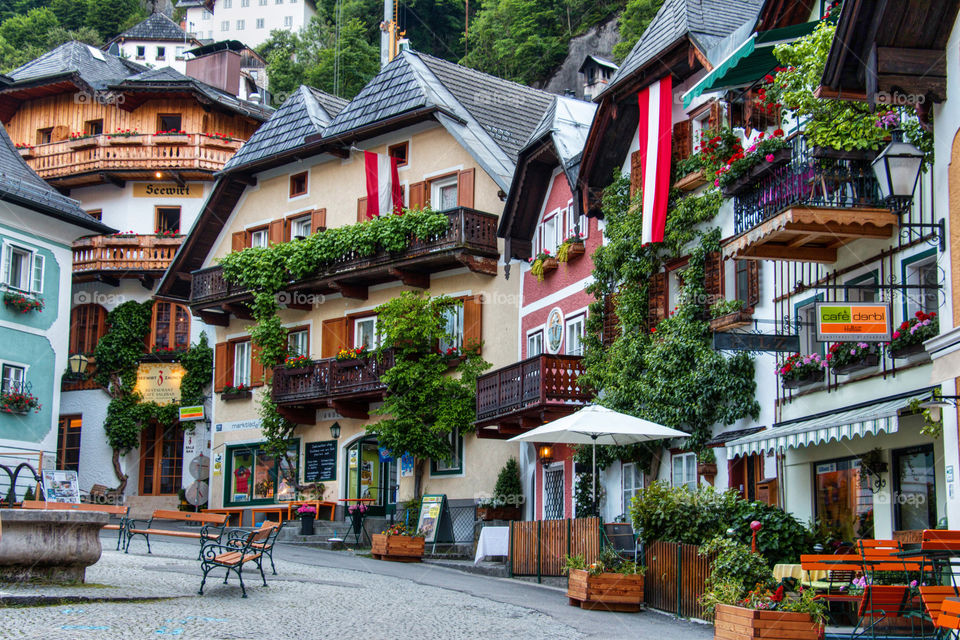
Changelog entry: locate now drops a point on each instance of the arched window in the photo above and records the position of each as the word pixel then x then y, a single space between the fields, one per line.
pixel 171 326
pixel 88 323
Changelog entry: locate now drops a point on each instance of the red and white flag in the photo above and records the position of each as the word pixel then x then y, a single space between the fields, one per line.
pixel 384 191
pixel 656 136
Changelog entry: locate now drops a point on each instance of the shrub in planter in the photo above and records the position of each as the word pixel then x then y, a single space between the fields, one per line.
pixel 398 544
pixel 847 357
pixel 775 615
pixel 611 582
pixel 507 495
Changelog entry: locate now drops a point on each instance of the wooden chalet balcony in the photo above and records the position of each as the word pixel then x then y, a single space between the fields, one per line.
pixel 72 163
pixel 470 240
pixel 348 386
pixel 111 258
pixel 808 208
pixel 524 395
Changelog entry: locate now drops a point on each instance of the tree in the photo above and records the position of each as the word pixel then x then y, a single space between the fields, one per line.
pixel 359 62
pixel 110 18
pixel 58 35
pixel 634 21
pixel 71 14
pixel 30 30
pixel 424 403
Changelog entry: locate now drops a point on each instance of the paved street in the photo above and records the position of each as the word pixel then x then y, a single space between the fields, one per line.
pixel 346 596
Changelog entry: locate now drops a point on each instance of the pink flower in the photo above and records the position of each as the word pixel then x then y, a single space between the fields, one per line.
pixel 896 334
pixel 716 182
pixel 769 157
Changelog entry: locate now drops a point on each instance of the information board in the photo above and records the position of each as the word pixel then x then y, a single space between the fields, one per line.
pixel 775 342
pixel 61 486
pixel 434 522
pixel 320 461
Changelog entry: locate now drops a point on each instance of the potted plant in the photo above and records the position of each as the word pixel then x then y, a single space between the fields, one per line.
pixel 22 303
pixel 542 264
pixel 571 247
pixel 219 141
pixel 507 495
pixel 849 357
pixel 908 339
pixel 729 314
pixel 707 464
pixel 19 402
pixel 800 371
pixel 239 392
pixel 398 544
pixel 307 515
pixel 610 583
pixel 172 136
pixel 744 167
pixel 79 140
pixel 772 615
pixel 352 356
pixel 298 365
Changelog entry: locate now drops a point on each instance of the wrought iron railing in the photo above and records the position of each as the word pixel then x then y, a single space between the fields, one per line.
pixel 540 380
pixel 330 378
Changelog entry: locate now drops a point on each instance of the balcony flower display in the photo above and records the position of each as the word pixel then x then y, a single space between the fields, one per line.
pixel 297 364
pixel 219 136
pixel 171 132
pixel 742 162
pixel 21 302
pixel 80 135
pixel 848 357
pixel 356 353
pixel 19 402
pixel 236 393
pixel 571 247
pixel 23 145
pixel 123 133
pixel 167 233
pixel 541 264
pixel 909 337
pixel 799 370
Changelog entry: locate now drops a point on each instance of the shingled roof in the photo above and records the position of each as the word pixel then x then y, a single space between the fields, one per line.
pixel 94 67
pixel 307 112
pixel 705 22
pixel 156 27
pixel 19 184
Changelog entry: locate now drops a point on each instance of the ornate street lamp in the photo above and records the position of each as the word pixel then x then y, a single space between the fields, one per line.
pixel 78 364
pixel 335 431
pixel 897 170
pixel 545 454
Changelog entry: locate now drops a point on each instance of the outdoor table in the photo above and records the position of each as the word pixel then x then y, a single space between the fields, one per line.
pixel 356 518
pixel 493 541
pixel 796 571
pixel 316 504
pixel 275 509
pixel 230 512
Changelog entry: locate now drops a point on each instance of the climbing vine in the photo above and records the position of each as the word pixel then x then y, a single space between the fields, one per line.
pixel 118 355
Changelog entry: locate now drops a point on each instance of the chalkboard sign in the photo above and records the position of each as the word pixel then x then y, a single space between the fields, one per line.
pixel 320 461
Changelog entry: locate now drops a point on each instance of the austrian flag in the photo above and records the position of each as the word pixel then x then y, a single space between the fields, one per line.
pixel 384 191
pixel 656 131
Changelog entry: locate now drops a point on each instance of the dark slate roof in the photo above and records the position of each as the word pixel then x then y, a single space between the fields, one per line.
pixel 706 22
pixel 598 60
pixel 567 121
pixel 722 438
pixel 156 27
pixel 305 113
pixel 19 183
pixel 96 68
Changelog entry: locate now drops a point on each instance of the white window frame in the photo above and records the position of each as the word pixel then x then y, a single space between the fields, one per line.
pixel 241 363
pixel 687 463
pixel 140 52
pixel 225 25
pixel 535 337
pixel 583 223
pixel 260 23
pixel 570 323
pixel 240 25
pixel 636 486
pixel 548 239
pixel 298 342
pixel 453 322
pixel 206 15
pixel 437 186
pixel 916 297
pixel 288 21
pixel 179 52
pixel 227 4
pixel 32 270
pixel 356 332
pixel 300 221
pixel 161 53
pixel 260 238
pixel 244 4
pixel 11 367
pixel 454 467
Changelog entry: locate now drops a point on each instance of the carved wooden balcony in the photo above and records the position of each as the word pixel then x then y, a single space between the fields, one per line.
pixel 113 258
pixel 527 394
pixel 347 386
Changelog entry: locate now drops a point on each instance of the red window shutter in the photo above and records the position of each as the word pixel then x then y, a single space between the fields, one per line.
pixel 682 140
pixel 753 283
pixel 417 191
pixel 657 298
pixel 465 186
pixel 256 366
pixel 239 241
pixel 636 174
pixel 362 209
pixel 713 279
pixel 333 337
pixel 472 322
pixel 318 220
pixel 222 371
pixel 275 233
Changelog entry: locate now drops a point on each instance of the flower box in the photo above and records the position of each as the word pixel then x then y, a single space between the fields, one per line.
pixel 83 143
pixel 550 264
pixel 707 469
pixel 119 141
pixel 26 154
pixel 733 320
pixel 908 351
pixel 171 139
pixel 298 371
pixel 575 250
pixel 691 181
pixel 737 622
pixel 219 143
pixel 498 513
pixel 796 383
pixel 868 362
pixel 608 591
pixel 228 396
pixel 866 155
pixel 350 362
pixel 397 548
pixel 757 171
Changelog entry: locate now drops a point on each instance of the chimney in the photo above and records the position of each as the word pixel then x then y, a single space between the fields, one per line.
pixel 386 29
pixel 218 68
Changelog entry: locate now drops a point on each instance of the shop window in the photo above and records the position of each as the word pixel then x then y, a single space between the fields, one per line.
pixel 167 219
pixel 161 459
pixel 255 476
pixel 365 333
pixel 443 193
pixel 171 327
pixel 631 483
pixel 300 227
pixel 298 342
pixel 843 504
pixel 914 488
pixel 398 151
pixel 68 443
pixel 574 338
pixel 23 269
pixel 683 470
pixel 241 363
pixel 88 323
pixel 259 237
pixel 453 326
pixel 452 465
pixel 535 343
pixel 93 127
pixel 169 122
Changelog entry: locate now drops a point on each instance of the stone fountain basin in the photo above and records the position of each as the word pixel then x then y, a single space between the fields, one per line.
pixel 48 545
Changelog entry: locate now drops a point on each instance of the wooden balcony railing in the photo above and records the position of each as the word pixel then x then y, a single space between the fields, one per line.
pixel 470 240
pixel 327 381
pixel 146 152
pixel 119 255
pixel 537 387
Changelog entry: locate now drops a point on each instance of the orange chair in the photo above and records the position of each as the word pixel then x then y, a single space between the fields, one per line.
pixel 948 622
pixel 933 598
pixel 878 603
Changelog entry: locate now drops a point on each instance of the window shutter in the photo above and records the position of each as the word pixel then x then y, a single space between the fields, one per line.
pixel 713 276
pixel 76 319
pixel 657 299
pixel 275 233
pixel 333 337
pixel 362 209
pixel 239 241
pixel 753 283
pixel 611 322
pixel 465 182
pixel 222 371
pixel 60 132
pixel 256 366
pixel 715 121
pixel 417 199
pixel 682 140
pixel 318 220
pixel 7 264
pixel 636 173
pixel 472 322
pixel 37 284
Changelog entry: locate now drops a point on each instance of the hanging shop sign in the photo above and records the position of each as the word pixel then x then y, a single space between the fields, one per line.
pixel 852 321
pixel 159 382
pixel 167 190
pixel 775 342
pixel 194 412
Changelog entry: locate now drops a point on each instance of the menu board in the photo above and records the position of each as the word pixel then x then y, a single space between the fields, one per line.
pixel 432 520
pixel 320 461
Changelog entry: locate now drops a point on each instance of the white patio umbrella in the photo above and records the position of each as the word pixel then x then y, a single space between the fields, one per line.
pixel 595 425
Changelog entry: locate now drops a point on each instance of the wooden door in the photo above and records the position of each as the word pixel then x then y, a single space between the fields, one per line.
pixel 161 459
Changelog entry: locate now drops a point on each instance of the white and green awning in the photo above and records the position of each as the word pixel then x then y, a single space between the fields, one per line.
pixel 872 419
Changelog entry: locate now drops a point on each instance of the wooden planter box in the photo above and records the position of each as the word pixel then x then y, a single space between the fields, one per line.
pixel 735 623
pixel 741 184
pixel 707 469
pixel 868 362
pixel 608 591
pixel 84 143
pixel 228 396
pixel 498 513
pixel 691 181
pixel 298 371
pixel 841 154
pixel 734 320
pixel 796 383
pixel 26 154
pixel 171 139
pixel 217 143
pixel 908 351
pixel 119 141
pixel 397 548
pixel 575 250
pixel 550 264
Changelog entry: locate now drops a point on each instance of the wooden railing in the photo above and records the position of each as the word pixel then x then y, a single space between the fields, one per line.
pixel 330 378
pixel 540 547
pixel 133 153
pixel 469 230
pixel 538 381
pixel 124 253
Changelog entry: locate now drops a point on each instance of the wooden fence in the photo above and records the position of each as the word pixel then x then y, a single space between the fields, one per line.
pixel 675 577
pixel 538 548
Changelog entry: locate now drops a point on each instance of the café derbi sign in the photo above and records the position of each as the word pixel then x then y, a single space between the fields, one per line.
pixel 849 321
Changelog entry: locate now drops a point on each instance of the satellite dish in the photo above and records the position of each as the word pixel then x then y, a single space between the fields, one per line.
pixel 197 493
pixel 200 467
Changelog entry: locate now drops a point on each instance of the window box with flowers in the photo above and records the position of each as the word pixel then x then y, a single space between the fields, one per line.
pixel 298 365
pixel 22 302
pixel 19 402
pixel 801 371
pixel 744 167
pixel 167 233
pixel 122 137
pixel 240 392
pixel 572 247
pixel 25 150
pixel 542 264
pixel 352 357
pixel 909 337
pixel 167 354
pixel 609 584
pixel 171 137
pixel 726 315
pixel 846 358
pixel 219 141
pixel 78 141
pixel 397 544
pixel 692 180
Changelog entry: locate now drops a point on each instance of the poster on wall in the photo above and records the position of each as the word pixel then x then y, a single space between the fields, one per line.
pixel 61 486
pixel 242 472
pixel 406 465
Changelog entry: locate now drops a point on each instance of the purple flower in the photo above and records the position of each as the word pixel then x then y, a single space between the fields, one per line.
pixel 853 352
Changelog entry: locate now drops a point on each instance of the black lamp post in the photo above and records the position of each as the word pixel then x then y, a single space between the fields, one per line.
pixel 897 170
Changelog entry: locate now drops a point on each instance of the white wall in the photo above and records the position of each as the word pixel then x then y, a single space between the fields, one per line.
pixel 286 15
pixel 173 53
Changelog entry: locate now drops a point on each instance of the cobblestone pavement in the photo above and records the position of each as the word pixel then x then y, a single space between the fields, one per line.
pixel 316 594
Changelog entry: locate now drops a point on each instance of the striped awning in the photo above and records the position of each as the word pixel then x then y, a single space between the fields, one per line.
pixel 857 421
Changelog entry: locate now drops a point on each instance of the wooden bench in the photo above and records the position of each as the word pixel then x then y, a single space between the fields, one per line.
pixel 212 529
pixel 237 537
pixel 114 510
pixel 232 557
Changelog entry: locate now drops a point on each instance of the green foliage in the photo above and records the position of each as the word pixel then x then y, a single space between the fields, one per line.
pixel 608 561
pixel 586 503
pixel 118 352
pixel 276 429
pixel 634 21
pixel 508 487
pixel 736 563
pixel 110 18
pixel 198 363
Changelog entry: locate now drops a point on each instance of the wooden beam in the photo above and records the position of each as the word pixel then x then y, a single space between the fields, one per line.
pixel 358 410
pixel 239 310
pixel 347 290
pixel 146 281
pixel 245 178
pixel 772 251
pixel 177 178
pixel 214 318
pixel 299 306
pixel 896 84
pixel 113 282
pixel 299 415
pixel 841 230
pixel 112 179
pixel 911 62
pixel 477 264
pixel 530 422
pixel 339 152
pixel 411 278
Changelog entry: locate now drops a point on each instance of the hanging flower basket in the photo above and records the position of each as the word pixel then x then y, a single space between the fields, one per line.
pixel 22 303
pixel 797 383
pixel 849 357
pixel 19 403
pixel 908 351
pixel 868 362
pixel 909 337
pixel 800 371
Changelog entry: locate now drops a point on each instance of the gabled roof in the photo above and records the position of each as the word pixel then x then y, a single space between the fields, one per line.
pixel 157 27
pixel 95 68
pixel 307 112
pixel 19 184
pixel 598 61
pixel 705 22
